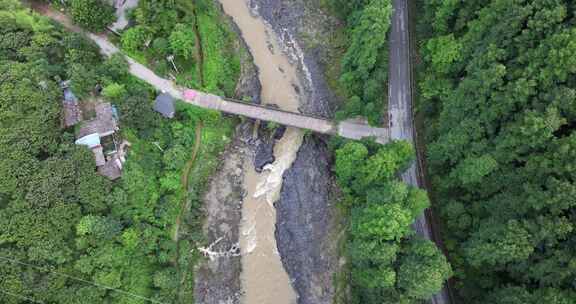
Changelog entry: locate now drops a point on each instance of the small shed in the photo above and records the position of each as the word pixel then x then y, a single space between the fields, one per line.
pixel 164 104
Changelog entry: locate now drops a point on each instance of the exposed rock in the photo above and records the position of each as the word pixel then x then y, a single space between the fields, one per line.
pixel 264 154
pixel 279 132
pixel 306 227
pixel 267 137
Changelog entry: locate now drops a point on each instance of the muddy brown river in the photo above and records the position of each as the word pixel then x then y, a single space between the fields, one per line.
pixel 263 278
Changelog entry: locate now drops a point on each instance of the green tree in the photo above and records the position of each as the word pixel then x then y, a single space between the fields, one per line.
pixel 135 38
pixel 382 211
pixel 497 94
pixel 29 119
pixel 183 41
pixel 116 67
pixel 161 46
pixel 83 80
pixel 114 91
pixel 382 166
pixel 365 63
pixel 444 51
pixel 94 15
pixel 348 160
pixel 344 8
pixel 388 222
pixel 499 243
pixel 423 270
pixel 97 226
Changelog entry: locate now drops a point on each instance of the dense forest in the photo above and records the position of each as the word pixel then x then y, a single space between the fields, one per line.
pixel 498 92
pixel 68 234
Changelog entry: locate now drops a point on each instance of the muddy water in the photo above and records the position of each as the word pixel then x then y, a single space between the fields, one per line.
pixel 264 280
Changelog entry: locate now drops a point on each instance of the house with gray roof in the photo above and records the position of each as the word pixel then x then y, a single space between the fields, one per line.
pixel 164 104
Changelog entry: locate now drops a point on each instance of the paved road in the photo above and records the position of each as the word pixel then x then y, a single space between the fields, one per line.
pixel 400 107
pixel 347 129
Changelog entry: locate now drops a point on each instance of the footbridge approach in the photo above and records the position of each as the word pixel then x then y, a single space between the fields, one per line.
pixel 349 129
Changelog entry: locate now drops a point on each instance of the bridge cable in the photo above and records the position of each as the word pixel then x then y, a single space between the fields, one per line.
pixel 126 293
pixel 20 296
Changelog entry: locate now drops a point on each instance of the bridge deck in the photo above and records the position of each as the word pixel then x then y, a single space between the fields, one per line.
pixel 347 129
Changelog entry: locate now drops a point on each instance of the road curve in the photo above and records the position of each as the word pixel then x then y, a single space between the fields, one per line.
pixel 400 109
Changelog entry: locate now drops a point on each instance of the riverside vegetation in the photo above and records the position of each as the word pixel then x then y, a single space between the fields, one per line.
pixel 387 263
pixel 66 229
pixel 197 37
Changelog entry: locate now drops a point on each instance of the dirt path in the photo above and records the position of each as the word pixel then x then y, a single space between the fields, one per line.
pixel 185 203
pixel 185 177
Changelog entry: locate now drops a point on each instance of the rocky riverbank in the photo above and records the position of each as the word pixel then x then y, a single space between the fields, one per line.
pixel 307 229
pixel 218 278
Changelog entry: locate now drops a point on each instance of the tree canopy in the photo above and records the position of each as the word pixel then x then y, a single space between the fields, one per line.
pixel 365 62
pixel 499 98
pixel 387 262
pixel 94 15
